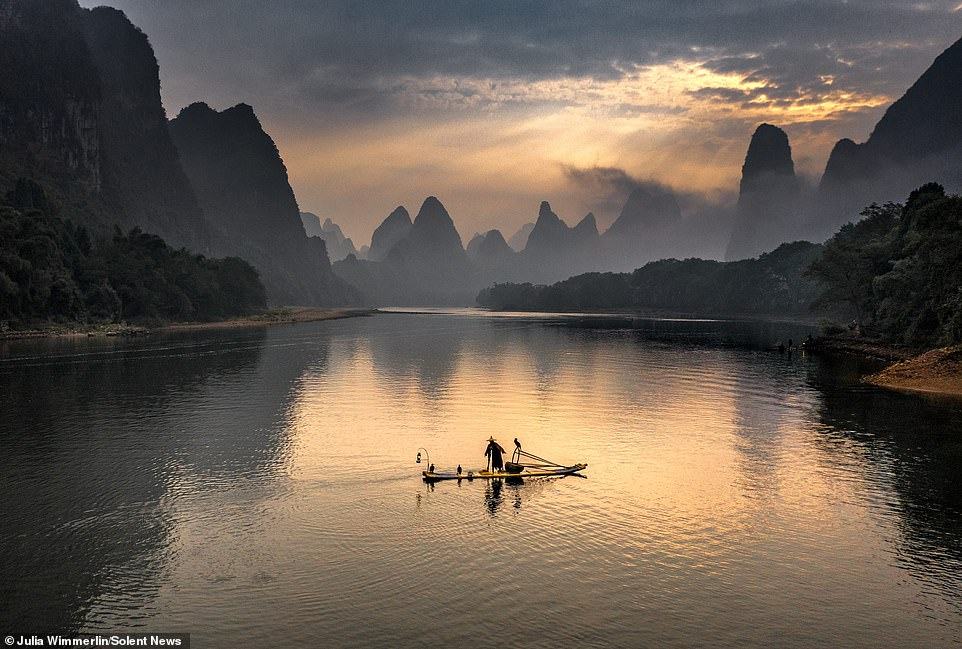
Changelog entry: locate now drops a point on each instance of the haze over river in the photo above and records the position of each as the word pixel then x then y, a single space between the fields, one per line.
pixel 259 485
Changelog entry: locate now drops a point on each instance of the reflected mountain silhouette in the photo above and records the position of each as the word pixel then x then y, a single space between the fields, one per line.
pixel 72 529
pixel 429 356
pixel 98 521
pixel 763 383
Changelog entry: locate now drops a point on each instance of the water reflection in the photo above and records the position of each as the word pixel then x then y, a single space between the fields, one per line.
pixel 492 496
pixel 735 495
pixel 75 517
pixel 909 443
pixel 105 441
pixel 428 357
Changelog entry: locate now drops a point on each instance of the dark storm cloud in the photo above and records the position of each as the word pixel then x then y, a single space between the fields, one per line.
pixel 362 57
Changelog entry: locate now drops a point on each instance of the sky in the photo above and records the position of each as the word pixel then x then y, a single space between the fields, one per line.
pixel 495 106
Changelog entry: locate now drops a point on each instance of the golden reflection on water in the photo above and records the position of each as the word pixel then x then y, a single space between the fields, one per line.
pixel 733 497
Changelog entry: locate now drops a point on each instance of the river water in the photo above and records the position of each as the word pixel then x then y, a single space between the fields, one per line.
pixel 259 485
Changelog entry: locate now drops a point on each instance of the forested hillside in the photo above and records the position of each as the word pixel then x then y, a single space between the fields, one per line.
pixel 773 284
pixel 899 269
pixel 53 270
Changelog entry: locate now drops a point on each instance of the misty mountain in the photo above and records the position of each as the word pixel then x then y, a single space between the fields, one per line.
pixel 80 113
pixel 647 210
pixel 474 245
pixel 377 281
pixel 768 196
pixel 495 258
pixel 394 228
pixel 338 246
pixel 312 225
pixel 519 239
pixel 431 256
pixel 586 230
pixel 648 227
pixel 494 250
pixel 426 265
pixel 555 250
pixel 432 237
pixel 919 138
pixel 550 234
pixel 242 184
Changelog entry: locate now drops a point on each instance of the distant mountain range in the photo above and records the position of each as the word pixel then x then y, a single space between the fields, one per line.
pixel 918 139
pixel 424 262
pixel 519 239
pixel 80 114
pixel 415 263
pixel 338 246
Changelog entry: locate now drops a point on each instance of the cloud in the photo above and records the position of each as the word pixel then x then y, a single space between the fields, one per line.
pixel 489 102
pixel 370 57
pixel 605 189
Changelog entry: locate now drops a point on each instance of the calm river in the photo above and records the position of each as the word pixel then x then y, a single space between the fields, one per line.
pixel 259 486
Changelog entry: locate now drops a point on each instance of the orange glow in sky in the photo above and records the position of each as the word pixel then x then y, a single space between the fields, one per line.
pixel 497 161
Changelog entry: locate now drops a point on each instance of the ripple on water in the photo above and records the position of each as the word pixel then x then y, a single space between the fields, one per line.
pixel 254 485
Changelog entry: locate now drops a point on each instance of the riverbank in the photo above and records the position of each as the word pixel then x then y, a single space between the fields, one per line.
pixel 870 349
pixel 274 316
pixel 285 315
pixel 666 314
pixel 938 371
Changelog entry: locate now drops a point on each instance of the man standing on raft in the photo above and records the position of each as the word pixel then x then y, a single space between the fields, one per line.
pixel 493 452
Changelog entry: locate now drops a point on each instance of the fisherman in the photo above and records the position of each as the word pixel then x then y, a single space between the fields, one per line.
pixel 494 452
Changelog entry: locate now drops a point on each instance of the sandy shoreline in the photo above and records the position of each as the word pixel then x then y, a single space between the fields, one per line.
pixel 935 372
pixel 275 316
pixel 938 371
pixel 284 315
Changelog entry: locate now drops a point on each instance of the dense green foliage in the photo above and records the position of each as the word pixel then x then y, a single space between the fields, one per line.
pixel 773 284
pixel 50 270
pixel 899 269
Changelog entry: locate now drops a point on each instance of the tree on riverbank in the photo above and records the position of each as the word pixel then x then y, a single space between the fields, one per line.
pixel 51 271
pixel 899 269
pixel 772 284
